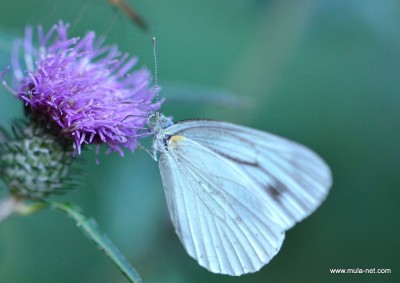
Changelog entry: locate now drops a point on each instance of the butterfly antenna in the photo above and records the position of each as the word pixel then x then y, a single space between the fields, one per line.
pixel 155 71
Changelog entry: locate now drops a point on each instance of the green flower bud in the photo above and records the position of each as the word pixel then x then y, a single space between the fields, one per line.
pixel 34 163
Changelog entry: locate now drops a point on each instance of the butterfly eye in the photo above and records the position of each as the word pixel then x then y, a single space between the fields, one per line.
pixel 153 120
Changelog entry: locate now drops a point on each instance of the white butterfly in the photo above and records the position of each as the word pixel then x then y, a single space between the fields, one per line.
pixel 233 191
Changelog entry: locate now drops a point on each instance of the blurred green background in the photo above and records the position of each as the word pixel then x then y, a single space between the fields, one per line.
pixel 323 73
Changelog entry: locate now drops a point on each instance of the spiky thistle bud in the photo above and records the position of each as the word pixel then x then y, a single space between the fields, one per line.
pixel 33 162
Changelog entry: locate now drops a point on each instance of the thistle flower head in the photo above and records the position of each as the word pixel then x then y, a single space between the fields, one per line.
pixel 33 162
pixel 84 89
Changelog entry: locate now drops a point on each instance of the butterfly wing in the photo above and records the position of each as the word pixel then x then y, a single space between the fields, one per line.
pixel 292 179
pixel 217 212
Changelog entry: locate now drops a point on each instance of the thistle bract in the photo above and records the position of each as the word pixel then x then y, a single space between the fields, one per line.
pixel 83 89
pixel 34 163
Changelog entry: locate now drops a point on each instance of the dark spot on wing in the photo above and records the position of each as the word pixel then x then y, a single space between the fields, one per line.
pixel 274 191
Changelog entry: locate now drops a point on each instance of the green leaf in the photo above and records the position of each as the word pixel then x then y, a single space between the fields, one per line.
pixel 92 231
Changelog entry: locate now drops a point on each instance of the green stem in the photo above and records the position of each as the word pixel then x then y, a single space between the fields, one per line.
pixel 8 206
pixel 90 228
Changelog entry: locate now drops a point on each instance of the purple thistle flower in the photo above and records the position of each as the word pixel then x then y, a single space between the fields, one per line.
pixel 84 89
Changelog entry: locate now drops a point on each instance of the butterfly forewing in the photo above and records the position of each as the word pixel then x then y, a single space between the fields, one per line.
pixel 219 214
pixel 292 179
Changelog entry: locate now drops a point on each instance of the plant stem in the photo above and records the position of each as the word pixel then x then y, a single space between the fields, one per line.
pixel 92 231
pixel 8 206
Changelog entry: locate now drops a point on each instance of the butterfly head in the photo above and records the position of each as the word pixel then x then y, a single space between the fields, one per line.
pixel 157 124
